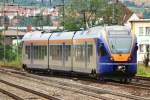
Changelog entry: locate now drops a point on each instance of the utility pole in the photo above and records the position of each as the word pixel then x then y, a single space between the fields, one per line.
pixel 63 13
pixel 50 3
pixel 17 39
pixel 4 32
pixel 113 13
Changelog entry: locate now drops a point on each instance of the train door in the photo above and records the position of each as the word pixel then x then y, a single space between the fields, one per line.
pixel 102 57
pixel 84 59
pixel 56 56
pixel 26 54
pixel 91 57
pixel 79 57
pixel 39 56
pixel 67 60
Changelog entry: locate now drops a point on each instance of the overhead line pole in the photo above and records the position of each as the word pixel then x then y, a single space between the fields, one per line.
pixel 63 14
pixel 4 32
pixel 17 38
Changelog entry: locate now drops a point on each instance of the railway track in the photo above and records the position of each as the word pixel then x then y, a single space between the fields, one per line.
pixel 80 88
pixel 29 90
pixel 14 96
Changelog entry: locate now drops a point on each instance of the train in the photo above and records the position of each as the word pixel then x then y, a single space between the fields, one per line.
pixel 99 51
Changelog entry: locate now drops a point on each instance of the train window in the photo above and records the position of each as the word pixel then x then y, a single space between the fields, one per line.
pixel 89 52
pixel 39 52
pixel 67 51
pixel 80 53
pixel 35 52
pixel 45 50
pixel 101 50
pixel 56 52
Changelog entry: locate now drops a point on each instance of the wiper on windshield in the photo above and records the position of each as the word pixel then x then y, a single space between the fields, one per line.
pixel 113 47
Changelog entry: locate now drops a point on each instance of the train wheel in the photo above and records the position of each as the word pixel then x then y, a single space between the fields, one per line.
pixel 51 72
pixel 125 80
pixel 129 80
pixel 100 78
pixel 93 74
pixel 24 67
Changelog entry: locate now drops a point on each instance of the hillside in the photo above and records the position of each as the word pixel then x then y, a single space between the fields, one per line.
pixel 34 2
pixel 142 7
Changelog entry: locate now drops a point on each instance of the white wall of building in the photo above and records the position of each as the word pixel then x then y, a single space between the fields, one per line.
pixel 142 30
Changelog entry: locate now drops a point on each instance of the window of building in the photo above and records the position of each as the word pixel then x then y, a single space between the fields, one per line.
pixel 141 48
pixel 147 48
pixel 141 31
pixel 147 30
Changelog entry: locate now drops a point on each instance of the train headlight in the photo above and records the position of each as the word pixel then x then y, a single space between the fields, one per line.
pixel 129 58
pixel 112 58
pixel 121 68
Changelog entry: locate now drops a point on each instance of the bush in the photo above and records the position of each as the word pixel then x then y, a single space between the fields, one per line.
pixel 10 52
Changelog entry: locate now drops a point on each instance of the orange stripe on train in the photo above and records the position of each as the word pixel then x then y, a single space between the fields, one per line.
pixel 62 41
pixel 84 40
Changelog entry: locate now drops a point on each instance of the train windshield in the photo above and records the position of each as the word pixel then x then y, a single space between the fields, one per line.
pixel 119 41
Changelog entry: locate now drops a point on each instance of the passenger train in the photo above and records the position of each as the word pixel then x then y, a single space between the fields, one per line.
pixel 100 51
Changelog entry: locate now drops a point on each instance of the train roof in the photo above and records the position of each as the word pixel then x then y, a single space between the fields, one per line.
pixel 117 27
pixel 36 35
pixel 93 32
pixel 62 35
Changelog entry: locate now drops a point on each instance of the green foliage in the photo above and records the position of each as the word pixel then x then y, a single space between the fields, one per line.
pixel 142 9
pixel 143 71
pixel 10 52
pixel 40 20
pixel 72 23
pixel 90 12
pixel 24 21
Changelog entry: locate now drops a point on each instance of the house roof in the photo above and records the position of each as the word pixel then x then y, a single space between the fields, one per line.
pixel 13 33
pixel 127 13
pixel 141 20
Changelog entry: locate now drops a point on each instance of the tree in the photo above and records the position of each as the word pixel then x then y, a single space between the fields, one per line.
pixel 40 20
pixel 92 12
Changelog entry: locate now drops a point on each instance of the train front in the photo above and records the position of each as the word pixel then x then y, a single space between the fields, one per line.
pixel 118 52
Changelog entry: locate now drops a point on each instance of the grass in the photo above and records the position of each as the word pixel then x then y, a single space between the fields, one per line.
pixel 14 64
pixel 143 71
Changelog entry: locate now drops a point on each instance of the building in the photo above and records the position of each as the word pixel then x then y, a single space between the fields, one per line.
pixel 141 28
pixel 12 10
pixel 11 36
pixel 130 17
